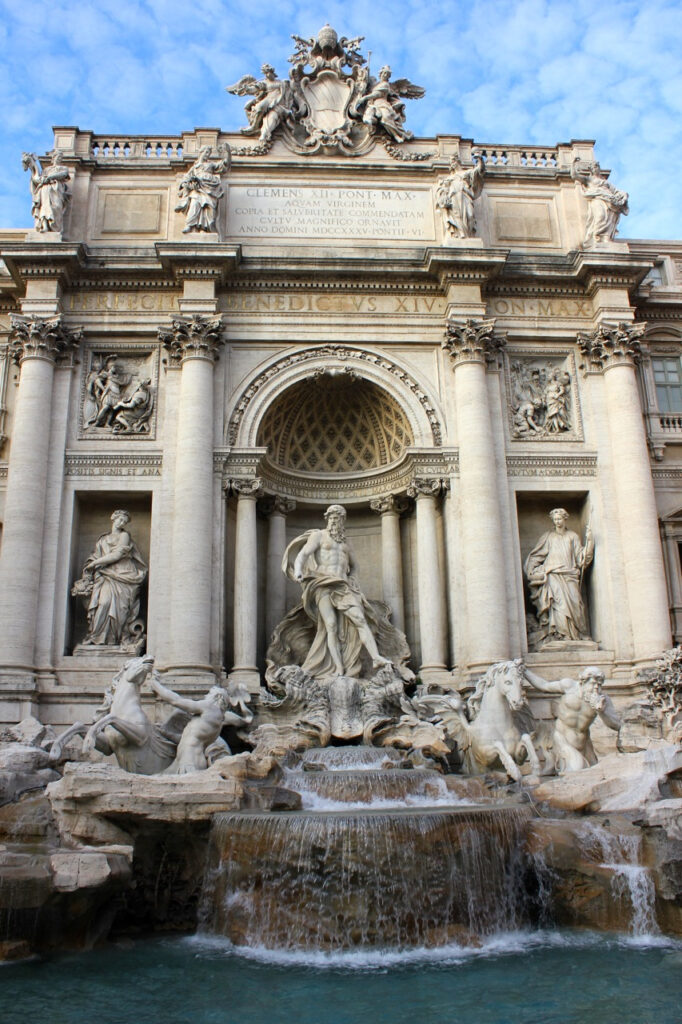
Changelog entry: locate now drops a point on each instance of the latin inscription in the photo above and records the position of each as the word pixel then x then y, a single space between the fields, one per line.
pixel 540 307
pixel 309 212
pixel 92 301
pixel 253 302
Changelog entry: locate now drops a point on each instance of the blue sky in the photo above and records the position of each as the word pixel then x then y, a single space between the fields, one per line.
pixel 534 71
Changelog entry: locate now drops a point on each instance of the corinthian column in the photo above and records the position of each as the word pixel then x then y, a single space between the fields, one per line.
pixel 390 508
pixel 472 344
pixel 36 345
pixel 275 608
pixel 194 342
pixel 430 586
pixel 245 669
pixel 614 349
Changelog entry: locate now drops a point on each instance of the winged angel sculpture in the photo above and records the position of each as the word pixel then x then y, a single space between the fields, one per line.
pixel 329 100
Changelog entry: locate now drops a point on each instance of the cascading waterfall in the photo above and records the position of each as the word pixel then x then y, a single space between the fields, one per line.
pixel 335 881
pixel 362 877
pixel 631 882
pixel 336 790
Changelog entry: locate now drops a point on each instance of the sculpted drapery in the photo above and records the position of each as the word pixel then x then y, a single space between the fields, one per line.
pixel 554 571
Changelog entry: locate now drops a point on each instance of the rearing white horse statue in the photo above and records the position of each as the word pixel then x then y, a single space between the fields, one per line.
pixel 490 736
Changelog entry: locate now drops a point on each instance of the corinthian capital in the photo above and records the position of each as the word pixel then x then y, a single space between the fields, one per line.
pixel 196 336
pixel 247 487
pixel 390 503
pixel 611 344
pixel 426 487
pixel 471 341
pixel 33 337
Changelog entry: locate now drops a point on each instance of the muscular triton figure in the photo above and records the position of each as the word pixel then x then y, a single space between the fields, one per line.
pixel 582 699
pixel 323 564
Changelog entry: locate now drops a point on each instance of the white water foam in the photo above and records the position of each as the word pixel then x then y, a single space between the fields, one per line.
pixel 504 944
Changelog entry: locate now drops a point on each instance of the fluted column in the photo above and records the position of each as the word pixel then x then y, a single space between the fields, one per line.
pixel 246 583
pixel 276 586
pixel 194 342
pixel 614 349
pixel 472 344
pixel 390 509
pixel 36 345
pixel 673 561
pixel 430 586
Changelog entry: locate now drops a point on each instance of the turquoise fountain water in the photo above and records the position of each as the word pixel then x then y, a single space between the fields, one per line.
pixel 369 911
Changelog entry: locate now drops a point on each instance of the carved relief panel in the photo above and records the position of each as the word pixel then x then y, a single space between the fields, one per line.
pixel 543 403
pixel 119 389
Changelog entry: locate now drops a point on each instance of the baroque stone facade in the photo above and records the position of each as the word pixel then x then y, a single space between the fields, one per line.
pixel 222 339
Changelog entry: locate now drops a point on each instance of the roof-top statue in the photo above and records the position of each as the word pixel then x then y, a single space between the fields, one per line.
pixel 329 101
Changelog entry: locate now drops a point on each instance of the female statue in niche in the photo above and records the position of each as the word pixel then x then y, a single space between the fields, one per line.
pixel 554 571
pixel 110 584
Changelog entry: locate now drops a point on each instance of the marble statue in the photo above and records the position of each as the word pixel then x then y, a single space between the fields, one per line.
pixel 122 727
pixel 605 203
pixel 554 571
pixel 383 107
pixel 582 699
pixel 329 100
pixel 49 190
pixel 271 104
pixel 208 716
pixel 132 415
pixel 456 193
pixel 200 189
pixel 494 728
pixel 323 563
pixel 110 584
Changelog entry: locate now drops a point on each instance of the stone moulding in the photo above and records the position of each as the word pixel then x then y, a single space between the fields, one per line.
pixel 118 464
pixel 551 465
pixel 324 488
pixel 420 408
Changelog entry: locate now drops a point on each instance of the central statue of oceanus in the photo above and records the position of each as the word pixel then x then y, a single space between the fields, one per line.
pixel 335 630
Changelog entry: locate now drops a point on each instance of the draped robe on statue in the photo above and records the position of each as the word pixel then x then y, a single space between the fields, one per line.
pixel 559 605
pixel 301 637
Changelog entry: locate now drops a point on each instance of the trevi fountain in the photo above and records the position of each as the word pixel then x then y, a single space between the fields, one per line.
pixel 340 580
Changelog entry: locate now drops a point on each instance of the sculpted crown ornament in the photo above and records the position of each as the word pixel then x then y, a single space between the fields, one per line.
pixel 197 335
pixel 472 340
pixel 609 344
pixel 329 101
pixel 35 337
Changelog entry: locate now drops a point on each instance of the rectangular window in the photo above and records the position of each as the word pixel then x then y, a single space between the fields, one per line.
pixel 668 379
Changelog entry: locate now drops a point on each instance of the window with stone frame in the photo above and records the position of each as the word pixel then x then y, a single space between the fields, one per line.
pixel 668 380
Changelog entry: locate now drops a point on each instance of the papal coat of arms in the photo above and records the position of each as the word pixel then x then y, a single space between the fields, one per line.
pixel 329 101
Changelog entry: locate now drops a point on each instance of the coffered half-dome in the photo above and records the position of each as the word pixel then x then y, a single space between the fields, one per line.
pixel 334 423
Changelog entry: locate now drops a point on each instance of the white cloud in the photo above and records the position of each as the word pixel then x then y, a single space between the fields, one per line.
pixel 530 71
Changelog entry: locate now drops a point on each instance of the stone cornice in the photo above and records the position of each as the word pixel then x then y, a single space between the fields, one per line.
pixel 39 259
pixel 206 261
